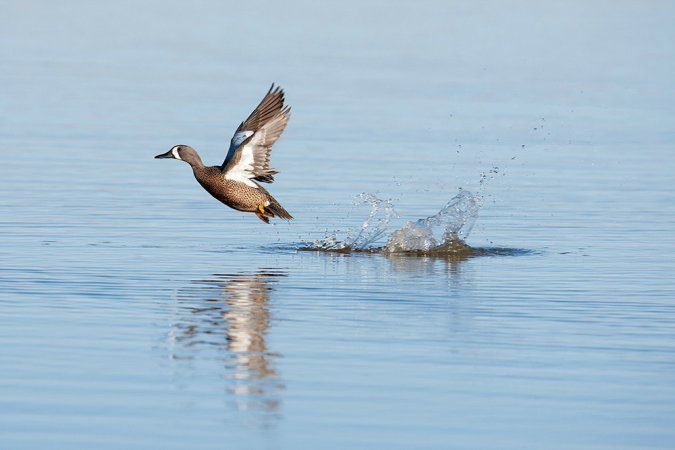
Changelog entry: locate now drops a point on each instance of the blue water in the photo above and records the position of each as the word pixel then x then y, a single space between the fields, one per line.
pixel 137 312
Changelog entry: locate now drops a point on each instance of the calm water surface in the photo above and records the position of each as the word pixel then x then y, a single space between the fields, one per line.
pixel 136 312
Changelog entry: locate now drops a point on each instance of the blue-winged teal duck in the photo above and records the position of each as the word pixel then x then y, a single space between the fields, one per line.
pixel 247 161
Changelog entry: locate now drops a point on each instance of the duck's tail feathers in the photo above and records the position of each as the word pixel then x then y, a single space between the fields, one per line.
pixel 275 208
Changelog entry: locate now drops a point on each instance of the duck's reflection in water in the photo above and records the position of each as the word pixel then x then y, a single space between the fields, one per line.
pixel 229 313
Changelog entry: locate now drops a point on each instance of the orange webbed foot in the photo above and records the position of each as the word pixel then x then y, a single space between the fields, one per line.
pixel 261 217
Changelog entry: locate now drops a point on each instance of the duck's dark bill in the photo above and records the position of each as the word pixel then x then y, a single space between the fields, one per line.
pixel 164 155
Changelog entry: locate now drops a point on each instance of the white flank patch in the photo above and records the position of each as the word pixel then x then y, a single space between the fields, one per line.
pixel 240 178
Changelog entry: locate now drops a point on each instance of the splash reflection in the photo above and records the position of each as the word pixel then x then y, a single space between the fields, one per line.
pixel 229 315
pixel 426 265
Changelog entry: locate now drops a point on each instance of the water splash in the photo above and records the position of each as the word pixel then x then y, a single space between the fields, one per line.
pixel 443 232
pixel 359 238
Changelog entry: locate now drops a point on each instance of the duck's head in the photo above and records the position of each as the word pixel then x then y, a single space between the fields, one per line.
pixel 183 153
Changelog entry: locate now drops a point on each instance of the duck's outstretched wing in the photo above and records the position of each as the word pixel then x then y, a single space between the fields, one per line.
pixel 249 154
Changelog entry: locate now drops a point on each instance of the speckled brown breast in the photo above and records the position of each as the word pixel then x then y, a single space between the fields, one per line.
pixel 234 194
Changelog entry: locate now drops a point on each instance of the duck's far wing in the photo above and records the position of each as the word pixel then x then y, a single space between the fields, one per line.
pixel 269 107
pixel 251 159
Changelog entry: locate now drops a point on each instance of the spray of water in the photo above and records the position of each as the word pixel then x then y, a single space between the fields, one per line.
pixel 359 238
pixel 443 232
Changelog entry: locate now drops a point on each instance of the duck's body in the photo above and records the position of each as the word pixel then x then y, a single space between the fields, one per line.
pixel 234 182
pixel 238 195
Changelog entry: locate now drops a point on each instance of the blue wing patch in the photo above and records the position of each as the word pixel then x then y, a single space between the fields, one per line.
pixel 237 139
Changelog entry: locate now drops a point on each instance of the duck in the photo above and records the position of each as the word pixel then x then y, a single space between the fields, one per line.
pixel 236 182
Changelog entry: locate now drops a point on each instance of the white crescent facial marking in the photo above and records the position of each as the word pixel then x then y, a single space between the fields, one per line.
pixel 174 152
